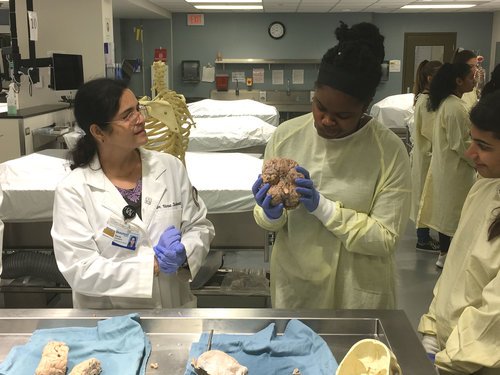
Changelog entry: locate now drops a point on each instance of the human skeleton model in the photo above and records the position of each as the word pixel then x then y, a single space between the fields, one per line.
pixel 168 120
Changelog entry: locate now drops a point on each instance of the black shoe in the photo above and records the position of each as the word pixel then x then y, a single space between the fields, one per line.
pixel 431 247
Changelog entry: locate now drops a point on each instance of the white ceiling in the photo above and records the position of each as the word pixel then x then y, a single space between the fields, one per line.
pixel 163 8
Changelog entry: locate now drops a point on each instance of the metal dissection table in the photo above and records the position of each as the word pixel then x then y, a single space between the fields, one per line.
pixel 172 331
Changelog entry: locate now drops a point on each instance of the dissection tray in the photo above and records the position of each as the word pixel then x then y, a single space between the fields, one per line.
pixel 172 331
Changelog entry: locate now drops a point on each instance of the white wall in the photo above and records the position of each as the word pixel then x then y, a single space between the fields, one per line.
pixel 66 26
pixel 495 38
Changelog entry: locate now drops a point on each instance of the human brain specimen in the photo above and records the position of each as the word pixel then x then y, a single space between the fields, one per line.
pixel 54 359
pixel 216 362
pixel 280 173
pixel 90 366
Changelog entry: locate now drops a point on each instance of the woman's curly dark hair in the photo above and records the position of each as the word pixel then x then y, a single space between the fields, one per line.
pixel 360 52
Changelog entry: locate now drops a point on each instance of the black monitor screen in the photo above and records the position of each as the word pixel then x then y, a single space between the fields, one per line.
pixel 67 71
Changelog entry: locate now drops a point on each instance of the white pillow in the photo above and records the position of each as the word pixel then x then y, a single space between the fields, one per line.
pixel 228 133
pixel 227 108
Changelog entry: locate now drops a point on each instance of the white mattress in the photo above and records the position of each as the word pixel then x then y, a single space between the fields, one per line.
pixel 242 107
pixel 229 133
pixel 216 134
pixel 224 181
pixel 393 110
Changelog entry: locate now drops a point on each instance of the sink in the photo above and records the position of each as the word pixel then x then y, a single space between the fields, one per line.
pixel 296 101
pixel 274 97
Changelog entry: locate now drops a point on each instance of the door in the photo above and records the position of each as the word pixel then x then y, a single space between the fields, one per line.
pixel 425 46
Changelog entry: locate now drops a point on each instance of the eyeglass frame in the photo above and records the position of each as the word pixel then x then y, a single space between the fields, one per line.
pixel 140 110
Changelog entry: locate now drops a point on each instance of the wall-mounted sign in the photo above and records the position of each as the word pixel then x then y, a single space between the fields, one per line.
pixel 196 19
pixel 160 54
pixel 33 25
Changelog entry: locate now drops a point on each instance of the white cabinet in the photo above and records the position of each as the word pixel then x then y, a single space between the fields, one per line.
pixel 10 146
pixel 16 132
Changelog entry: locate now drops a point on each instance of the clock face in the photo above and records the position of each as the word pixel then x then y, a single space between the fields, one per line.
pixel 276 30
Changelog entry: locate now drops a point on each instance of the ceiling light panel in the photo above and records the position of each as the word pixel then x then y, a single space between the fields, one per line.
pixel 226 2
pixel 228 7
pixel 438 6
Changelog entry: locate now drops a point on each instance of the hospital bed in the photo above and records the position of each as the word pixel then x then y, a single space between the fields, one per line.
pixel 248 134
pixel 395 112
pixel 209 108
pixel 223 180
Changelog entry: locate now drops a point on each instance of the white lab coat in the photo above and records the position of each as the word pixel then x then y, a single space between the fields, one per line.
pixel 465 312
pixel 342 255
pixel 422 149
pixel 451 173
pixel 106 276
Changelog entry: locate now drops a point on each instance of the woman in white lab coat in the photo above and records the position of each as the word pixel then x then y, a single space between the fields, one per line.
pixel 129 230
pixel 462 327
pixel 336 249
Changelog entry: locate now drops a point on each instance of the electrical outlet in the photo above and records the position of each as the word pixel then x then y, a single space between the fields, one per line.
pixel 262 96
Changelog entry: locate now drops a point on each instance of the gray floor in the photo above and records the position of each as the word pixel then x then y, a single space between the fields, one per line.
pixel 416 273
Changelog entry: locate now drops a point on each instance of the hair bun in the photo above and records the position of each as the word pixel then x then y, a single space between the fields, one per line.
pixel 342 32
pixel 362 33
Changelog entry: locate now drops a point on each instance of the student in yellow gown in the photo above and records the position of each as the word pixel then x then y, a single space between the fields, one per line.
pixel 462 327
pixel 336 249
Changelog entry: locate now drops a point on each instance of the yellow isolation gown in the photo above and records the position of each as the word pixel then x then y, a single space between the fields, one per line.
pixel 451 174
pixel 341 256
pixel 470 98
pixel 422 149
pixel 465 311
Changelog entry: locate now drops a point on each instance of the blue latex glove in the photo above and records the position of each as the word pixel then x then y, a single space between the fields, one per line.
pixel 169 251
pixel 169 236
pixel 264 200
pixel 305 187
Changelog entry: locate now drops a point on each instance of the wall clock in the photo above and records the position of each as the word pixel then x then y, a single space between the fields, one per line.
pixel 276 30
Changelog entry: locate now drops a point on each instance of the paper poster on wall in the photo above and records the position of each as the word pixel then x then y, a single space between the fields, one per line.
pixel 33 25
pixel 109 57
pixel 394 66
pixel 277 77
pixel 258 75
pixel 238 76
pixel 208 74
pixel 107 30
pixel 298 76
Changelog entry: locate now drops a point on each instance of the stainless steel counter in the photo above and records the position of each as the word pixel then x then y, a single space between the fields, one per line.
pixel 172 331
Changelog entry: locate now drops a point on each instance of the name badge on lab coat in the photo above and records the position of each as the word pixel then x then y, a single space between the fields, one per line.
pixel 122 234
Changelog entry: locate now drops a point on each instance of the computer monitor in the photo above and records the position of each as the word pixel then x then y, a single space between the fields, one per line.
pixel 66 72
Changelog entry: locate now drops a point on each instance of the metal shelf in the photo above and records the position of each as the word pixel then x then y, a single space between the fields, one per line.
pixel 267 61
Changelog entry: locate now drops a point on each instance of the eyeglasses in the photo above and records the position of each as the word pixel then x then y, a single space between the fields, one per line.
pixel 134 117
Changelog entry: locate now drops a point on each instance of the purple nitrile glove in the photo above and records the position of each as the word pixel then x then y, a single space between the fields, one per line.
pixel 305 187
pixel 169 236
pixel 264 200
pixel 169 251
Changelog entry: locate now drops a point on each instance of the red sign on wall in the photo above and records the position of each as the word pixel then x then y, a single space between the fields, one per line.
pixel 196 19
pixel 160 54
